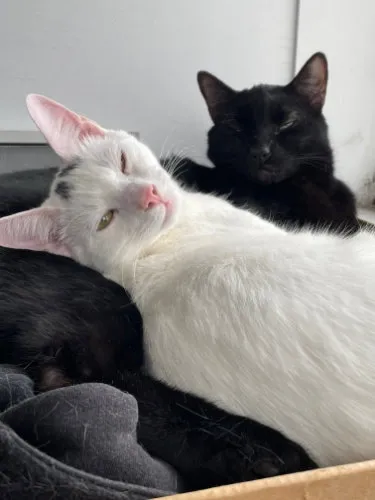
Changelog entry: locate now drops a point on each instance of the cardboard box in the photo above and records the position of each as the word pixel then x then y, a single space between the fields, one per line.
pixel 347 482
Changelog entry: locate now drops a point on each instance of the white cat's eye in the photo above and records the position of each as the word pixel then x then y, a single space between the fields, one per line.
pixel 105 220
pixel 123 162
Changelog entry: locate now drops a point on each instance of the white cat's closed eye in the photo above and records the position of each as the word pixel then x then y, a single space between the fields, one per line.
pixel 123 162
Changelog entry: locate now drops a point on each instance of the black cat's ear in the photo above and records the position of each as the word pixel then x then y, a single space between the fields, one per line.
pixel 311 81
pixel 216 94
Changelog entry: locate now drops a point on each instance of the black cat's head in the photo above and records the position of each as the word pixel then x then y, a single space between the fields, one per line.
pixel 269 132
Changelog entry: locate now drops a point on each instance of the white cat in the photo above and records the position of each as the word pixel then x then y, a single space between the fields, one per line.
pixel 276 326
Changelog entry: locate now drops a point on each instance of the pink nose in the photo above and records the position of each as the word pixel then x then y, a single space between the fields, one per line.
pixel 149 197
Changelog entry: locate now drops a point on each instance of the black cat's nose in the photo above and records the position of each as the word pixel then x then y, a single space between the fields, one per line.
pixel 265 153
pixel 262 154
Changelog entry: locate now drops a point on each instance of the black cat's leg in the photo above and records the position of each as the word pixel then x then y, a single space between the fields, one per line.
pixel 345 219
pixel 326 205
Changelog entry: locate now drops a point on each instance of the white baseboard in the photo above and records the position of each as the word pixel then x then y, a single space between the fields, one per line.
pixel 29 137
pixel 21 137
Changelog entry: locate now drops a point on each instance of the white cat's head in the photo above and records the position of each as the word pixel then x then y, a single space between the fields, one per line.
pixel 110 201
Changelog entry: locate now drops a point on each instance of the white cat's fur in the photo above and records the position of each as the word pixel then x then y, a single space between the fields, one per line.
pixel 275 326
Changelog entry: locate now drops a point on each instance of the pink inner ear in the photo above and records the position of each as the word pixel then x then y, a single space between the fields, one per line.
pixel 62 128
pixel 89 128
pixel 36 229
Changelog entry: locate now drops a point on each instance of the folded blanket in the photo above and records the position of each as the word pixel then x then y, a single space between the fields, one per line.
pixel 77 442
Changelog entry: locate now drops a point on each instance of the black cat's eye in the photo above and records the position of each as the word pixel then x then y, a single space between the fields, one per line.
pixel 123 162
pixel 288 124
pixel 232 124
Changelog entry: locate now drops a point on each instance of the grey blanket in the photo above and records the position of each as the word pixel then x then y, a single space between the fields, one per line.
pixel 78 442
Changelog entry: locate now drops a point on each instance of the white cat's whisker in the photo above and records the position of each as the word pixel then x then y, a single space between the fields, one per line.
pixel 168 136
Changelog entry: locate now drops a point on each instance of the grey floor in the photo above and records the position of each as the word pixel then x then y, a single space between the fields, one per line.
pixel 26 157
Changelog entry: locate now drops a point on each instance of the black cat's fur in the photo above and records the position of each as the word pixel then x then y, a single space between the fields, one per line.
pixel 65 323
pixel 271 151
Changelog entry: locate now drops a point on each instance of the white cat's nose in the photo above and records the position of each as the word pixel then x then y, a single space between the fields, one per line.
pixel 149 197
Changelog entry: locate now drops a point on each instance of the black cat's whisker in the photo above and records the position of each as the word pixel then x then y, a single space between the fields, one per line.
pixel 127 306
pixel 205 431
pixel 191 411
pixel 231 430
pixel 32 361
pixel 271 452
pixel 309 157
pixel 182 447
pixel 316 166
pixel 245 456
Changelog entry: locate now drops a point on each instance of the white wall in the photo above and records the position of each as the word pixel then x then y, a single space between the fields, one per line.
pixel 345 31
pixel 133 63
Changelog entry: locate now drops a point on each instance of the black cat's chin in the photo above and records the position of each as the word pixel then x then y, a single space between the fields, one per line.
pixel 269 175
pixel 272 173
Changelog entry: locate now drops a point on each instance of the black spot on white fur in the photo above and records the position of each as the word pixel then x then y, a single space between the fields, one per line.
pixel 63 189
pixel 65 171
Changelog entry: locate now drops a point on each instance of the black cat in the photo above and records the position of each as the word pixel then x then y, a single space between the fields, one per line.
pixel 271 151
pixel 65 324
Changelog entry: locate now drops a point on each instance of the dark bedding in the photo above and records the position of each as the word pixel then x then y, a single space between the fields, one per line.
pixel 77 442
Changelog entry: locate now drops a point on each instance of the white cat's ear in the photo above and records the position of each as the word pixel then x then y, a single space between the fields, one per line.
pixel 216 94
pixel 62 128
pixel 311 81
pixel 36 229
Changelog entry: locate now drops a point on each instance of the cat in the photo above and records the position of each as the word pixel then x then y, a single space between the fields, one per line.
pixel 271 151
pixel 267 324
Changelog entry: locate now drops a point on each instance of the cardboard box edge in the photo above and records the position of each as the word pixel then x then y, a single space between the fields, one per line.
pixel 300 479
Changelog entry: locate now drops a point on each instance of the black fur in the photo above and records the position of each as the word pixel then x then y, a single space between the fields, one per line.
pixel 271 151
pixel 66 170
pixel 208 446
pixel 65 323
